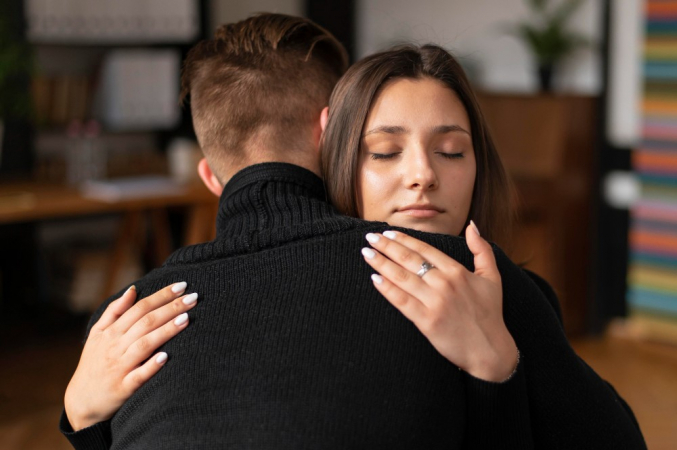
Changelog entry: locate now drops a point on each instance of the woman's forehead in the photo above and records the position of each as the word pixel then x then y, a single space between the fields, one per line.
pixel 407 104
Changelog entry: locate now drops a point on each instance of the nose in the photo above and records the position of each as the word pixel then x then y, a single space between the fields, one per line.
pixel 421 173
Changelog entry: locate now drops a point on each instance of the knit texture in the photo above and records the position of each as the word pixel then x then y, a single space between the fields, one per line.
pixel 290 346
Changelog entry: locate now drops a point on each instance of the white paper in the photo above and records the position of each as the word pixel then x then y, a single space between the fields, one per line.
pixel 108 21
pixel 131 188
pixel 139 89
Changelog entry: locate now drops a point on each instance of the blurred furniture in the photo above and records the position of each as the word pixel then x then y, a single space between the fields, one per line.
pixel 116 62
pixel 22 202
pixel 547 143
pixel 80 75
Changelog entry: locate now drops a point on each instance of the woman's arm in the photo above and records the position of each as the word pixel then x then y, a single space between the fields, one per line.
pixel 116 360
pixel 550 295
pixel 460 313
pixel 571 406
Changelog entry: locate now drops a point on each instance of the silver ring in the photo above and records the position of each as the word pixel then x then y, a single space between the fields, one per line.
pixel 425 267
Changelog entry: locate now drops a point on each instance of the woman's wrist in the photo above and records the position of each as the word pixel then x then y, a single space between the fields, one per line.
pixel 495 364
pixel 74 419
pixel 79 419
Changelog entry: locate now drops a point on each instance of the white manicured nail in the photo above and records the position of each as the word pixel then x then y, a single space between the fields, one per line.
pixel 372 238
pixel 378 279
pixel 183 318
pixel 475 228
pixel 161 357
pixel 389 234
pixel 368 253
pixel 179 288
pixel 190 299
pixel 130 288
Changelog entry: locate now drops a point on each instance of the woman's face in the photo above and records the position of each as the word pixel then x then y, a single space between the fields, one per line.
pixel 417 164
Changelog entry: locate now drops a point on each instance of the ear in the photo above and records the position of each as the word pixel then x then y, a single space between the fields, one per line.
pixel 324 116
pixel 318 128
pixel 208 177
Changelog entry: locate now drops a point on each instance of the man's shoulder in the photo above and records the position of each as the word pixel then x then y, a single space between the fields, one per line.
pixel 146 285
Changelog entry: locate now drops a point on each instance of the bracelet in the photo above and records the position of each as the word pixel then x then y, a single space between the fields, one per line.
pixel 514 371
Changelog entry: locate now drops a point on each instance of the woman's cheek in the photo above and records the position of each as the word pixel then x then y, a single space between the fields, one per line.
pixel 374 193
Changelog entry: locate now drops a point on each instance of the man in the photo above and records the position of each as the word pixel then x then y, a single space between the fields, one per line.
pixel 290 346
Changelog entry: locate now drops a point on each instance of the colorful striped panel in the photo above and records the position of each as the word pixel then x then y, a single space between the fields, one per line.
pixel 653 300
pixel 656 10
pixel 652 272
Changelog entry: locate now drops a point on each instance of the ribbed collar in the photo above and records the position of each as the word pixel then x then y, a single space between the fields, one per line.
pixel 274 171
pixel 271 196
pixel 265 206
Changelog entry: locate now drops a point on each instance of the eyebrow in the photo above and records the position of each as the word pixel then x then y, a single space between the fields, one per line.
pixel 440 129
pixel 387 130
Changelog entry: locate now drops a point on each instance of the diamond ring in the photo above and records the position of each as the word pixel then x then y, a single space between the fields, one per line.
pixel 425 267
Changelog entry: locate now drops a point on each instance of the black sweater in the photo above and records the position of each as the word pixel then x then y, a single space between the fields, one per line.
pixel 290 346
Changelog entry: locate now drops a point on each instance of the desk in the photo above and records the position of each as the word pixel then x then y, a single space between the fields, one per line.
pixel 36 201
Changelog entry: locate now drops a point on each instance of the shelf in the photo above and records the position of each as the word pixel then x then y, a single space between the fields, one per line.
pixel 547 144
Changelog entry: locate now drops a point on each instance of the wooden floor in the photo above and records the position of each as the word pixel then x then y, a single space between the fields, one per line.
pixel 645 375
pixel 34 373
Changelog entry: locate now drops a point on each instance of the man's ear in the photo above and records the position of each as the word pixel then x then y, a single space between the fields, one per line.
pixel 324 115
pixel 208 177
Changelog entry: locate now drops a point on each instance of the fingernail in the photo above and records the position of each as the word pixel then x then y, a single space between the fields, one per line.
pixel 389 234
pixel 190 299
pixel 368 253
pixel 130 288
pixel 161 358
pixel 372 238
pixel 183 318
pixel 378 279
pixel 475 228
pixel 179 288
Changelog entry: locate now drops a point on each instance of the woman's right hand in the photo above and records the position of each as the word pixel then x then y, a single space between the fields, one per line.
pixel 110 368
pixel 458 310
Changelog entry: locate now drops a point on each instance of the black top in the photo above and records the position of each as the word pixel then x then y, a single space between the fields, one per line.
pixel 290 346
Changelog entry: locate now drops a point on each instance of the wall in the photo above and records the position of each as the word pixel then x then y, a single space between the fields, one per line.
pixel 225 11
pixel 625 67
pixel 498 62
pixel 473 31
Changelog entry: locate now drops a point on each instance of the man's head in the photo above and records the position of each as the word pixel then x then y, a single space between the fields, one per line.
pixel 257 89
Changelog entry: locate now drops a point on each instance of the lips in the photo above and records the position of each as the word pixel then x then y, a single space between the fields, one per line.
pixel 420 210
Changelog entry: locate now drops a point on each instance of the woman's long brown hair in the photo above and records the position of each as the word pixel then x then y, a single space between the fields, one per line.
pixel 349 106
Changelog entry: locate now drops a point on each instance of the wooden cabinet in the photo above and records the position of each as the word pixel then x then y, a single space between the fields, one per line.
pixel 548 144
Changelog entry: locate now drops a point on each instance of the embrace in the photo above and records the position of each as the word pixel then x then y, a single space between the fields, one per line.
pixel 351 297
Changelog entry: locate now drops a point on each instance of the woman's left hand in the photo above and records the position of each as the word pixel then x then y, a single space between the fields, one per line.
pixel 460 312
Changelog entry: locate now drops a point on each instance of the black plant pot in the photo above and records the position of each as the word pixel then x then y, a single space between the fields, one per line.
pixel 16 149
pixel 545 73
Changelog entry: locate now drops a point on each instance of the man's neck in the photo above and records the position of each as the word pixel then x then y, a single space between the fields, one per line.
pixel 307 161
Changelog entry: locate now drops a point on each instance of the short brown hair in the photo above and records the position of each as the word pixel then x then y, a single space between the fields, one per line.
pixel 348 109
pixel 268 75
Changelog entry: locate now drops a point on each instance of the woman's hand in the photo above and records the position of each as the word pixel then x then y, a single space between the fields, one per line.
pixel 460 312
pixel 110 369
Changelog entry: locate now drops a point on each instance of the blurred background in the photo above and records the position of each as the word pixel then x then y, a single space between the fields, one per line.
pixel 98 182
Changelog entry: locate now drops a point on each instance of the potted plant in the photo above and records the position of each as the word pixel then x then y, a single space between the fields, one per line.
pixel 547 35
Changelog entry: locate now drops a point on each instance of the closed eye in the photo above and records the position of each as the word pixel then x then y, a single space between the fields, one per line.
pixel 377 156
pixel 451 155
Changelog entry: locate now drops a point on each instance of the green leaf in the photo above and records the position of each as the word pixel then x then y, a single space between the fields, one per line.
pixel 537 5
pixel 564 12
pixel 550 40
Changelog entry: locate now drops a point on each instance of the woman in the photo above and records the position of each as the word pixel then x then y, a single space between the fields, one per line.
pixel 407 139
pixel 410 146
pixel 405 143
